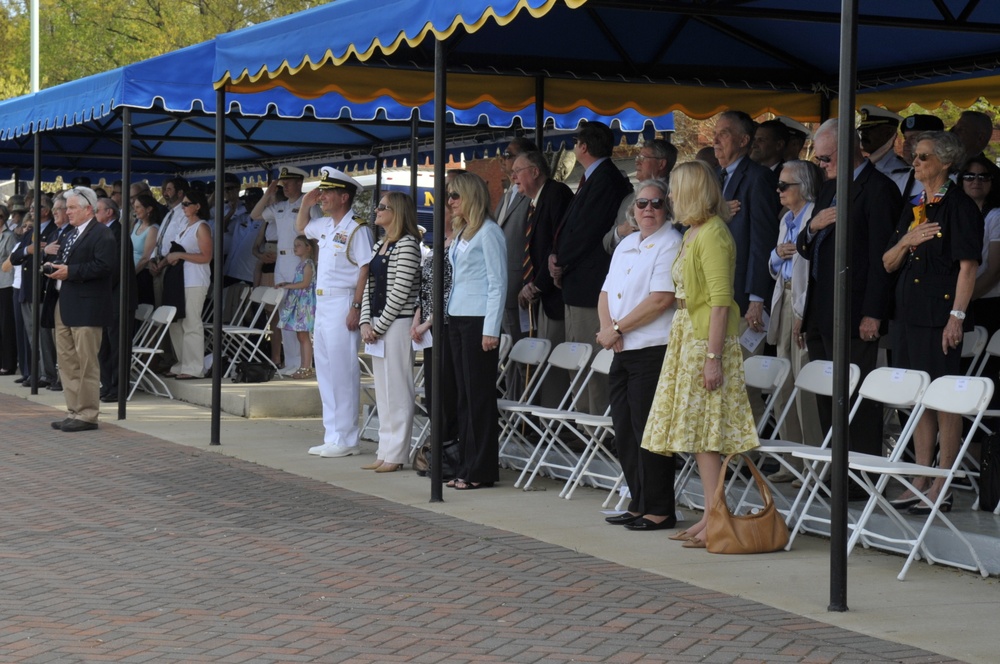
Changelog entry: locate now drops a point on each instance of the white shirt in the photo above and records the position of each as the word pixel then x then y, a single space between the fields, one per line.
pixel 173 223
pixel 640 267
pixel 334 270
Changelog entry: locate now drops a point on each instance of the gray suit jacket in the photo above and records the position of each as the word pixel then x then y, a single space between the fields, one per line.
pixel 512 224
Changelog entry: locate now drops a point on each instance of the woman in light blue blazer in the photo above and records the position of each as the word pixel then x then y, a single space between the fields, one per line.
pixel 478 255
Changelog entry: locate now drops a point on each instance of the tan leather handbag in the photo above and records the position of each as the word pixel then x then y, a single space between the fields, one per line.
pixel 759 532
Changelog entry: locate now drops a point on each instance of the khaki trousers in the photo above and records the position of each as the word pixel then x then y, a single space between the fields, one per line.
pixel 79 368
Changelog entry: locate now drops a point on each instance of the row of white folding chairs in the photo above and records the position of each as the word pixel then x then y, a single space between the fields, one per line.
pixel 146 346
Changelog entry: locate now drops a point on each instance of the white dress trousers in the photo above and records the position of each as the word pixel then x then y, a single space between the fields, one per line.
pixel 394 390
pixel 336 353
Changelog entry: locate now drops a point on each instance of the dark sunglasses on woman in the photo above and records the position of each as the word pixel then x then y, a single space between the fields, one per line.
pixel 657 203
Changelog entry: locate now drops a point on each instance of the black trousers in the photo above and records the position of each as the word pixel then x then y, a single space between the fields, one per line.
pixel 108 355
pixel 8 335
pixel 449 392
pixel 866 430
pixel 475 380
pixel 631 387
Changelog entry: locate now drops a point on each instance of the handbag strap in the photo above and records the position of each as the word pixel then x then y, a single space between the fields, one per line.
pixel 765 491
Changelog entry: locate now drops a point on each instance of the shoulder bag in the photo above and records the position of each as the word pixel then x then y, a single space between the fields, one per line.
pixel 759 532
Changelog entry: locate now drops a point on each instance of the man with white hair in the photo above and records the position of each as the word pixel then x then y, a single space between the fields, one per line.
pixel 82 272
pixel 284 215
pixel 345 248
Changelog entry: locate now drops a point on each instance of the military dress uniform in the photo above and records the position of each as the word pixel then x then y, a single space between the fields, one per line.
pixel 345 246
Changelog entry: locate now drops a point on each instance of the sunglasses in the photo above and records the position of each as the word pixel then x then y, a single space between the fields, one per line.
pixel 824 159
pixel 187 204
pixel 783 186
pixel 923 156
pixel 656 203
pixel 982 177
pixel 454 195
pixel 382 208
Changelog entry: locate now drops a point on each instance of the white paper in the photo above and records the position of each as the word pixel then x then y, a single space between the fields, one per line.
pixel 525 320
pixel 425 341
pixel 376 349
pixel 751 340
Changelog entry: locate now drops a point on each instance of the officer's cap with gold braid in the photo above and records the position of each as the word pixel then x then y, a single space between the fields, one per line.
pixel 292 173
pixel 335 179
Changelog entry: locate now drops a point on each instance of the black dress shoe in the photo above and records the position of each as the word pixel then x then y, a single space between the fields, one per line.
pixel 20 381
pixel 58 424
pixel 110 398
pixel 645 524
pixel 55 387
pixel 78 425
pixel 622 519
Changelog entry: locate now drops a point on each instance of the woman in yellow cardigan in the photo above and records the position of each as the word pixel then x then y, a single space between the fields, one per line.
pixel 701 404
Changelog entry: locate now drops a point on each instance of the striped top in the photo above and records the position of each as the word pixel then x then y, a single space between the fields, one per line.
pixel 402 285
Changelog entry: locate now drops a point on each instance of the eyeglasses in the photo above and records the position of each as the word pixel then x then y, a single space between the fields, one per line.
pixel 783 186
pixel 656 203
pixel 187 204
pixel 825 158
pixel 382 208
pixel 639 158
pixel 454 195
pixel 982 177
pixel 923 156
pixel 509 155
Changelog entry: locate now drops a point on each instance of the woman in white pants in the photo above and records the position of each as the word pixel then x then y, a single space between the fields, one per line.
pixel 187 335
pixel 386 313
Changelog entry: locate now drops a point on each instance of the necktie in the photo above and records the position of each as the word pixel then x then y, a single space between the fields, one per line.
pixel 529 227
pixel 583 180
pixel 723 175
pixel 163 234
pixel 64 249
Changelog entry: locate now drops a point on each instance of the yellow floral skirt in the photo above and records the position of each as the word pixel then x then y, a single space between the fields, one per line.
pixel 686 417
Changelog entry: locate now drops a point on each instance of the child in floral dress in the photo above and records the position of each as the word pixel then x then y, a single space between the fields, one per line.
pixel 298 308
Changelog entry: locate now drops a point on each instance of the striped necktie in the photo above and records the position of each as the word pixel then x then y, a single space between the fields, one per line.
pixel 528 272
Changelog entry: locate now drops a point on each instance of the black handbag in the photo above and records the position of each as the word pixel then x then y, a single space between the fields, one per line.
pixel 173 284
pixel 253 372
pixel 450 460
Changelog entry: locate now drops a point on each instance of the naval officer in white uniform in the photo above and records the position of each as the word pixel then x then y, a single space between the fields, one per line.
pixel 283 214
pixel 345 249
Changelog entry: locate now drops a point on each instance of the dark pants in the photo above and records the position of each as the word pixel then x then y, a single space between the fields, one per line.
pixel 475 380
pixel 866 430
pixel 8 334
pixel 108 356
pixel 631 387
pixel 449 392
pixel 21 336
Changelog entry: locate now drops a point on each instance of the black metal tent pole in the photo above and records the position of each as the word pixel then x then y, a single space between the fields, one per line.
pixel 415 152
pixel 220 175
pixel 842 305
pixel 36 264
pixel 539 111
pixel 440 200
pixel 378 182
pixel 124 349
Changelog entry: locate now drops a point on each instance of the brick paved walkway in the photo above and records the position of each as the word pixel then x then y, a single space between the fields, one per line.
pixel 121 547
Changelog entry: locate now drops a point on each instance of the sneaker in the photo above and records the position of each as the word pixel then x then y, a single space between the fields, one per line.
pixel 316 451
pixel 333 451
pixel 783 475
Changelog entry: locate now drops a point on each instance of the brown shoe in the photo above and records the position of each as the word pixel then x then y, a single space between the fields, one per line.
pixel 389 468
pixel 373 466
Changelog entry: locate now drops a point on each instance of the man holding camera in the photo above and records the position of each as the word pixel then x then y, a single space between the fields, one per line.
pixel 82 273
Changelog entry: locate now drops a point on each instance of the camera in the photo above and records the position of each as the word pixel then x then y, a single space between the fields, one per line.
pixel 49 268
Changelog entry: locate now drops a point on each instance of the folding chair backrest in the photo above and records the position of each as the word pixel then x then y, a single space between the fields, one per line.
pixel 896 388
pixel 143 318
pixel 961 395
pixel 766 373
pixel 164 315
pixel 992 350
pixel 817 377
pixel 272 297
pixel 571 355
pixel 530 351
pixel 602 361
pixel 973 344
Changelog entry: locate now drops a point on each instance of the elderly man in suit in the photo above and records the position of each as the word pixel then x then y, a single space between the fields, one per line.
pixel 874 210
pixel 83 275
pixel 579 262
pixel 547 203
pixel 510 214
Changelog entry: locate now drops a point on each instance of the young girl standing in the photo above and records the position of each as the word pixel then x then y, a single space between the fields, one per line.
pixel 298 308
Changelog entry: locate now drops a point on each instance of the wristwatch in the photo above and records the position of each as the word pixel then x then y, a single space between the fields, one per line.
pixel 617 329
pixel 960 315
pixel 355 305
pixel 713 356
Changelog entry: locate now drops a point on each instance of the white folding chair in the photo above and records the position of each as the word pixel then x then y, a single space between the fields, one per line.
pixel 143 319
pixel 143 354
pixel 973 345
pixel 246 340
pixel 815 377
pixel 553 453
pixel 960 395
pixel 893 388
pixel 243 302
pixel 569 356
pixel 531 354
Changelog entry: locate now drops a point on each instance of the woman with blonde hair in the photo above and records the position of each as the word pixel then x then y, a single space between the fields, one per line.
pixel 478 256
pixel 701 405
pixel 387 309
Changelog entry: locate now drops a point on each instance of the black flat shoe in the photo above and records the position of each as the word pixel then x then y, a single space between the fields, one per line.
pixel 622 519
pixel 904 503
pixel 643 524
pixel 20 380
pixel 924 510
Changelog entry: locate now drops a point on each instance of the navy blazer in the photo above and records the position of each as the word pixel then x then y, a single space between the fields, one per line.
pixel 754 229
pixel 85 295
pixel 579 239
pixel 553 200
pixel 21 257
pixel 875 209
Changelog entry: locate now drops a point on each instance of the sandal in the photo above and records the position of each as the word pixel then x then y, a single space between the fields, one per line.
pixel 462 485
pixel 453 483
pixel 303 374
